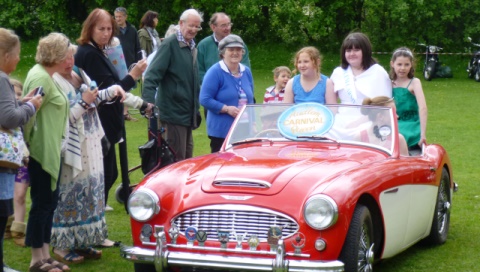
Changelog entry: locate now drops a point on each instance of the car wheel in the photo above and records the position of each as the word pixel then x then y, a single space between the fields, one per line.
pixel 143 267
pixel 477 75
pixel 441 216
pixel 429 71
pixel 357 252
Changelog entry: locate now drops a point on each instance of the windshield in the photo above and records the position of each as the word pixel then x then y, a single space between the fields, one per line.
pixel 362 125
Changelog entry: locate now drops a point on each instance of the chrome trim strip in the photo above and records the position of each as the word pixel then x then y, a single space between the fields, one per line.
pixel 169 258
pixel 229 182
pixel 292 225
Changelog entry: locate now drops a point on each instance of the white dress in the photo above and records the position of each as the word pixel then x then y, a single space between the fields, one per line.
pixel 79 219
pixel 353 89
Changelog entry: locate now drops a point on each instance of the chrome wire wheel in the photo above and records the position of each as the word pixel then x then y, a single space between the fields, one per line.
pixel 365 250
pixel 358 249
pixel 443 207
pixel 441 215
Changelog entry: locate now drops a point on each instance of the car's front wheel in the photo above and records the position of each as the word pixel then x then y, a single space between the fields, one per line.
pixel 143 267
pixel 441 216
pixel 357 252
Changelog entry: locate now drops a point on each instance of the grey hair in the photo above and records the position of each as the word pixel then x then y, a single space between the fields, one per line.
pixel 172 29
pixel 191 12
pixel 213 19
pixel 122 10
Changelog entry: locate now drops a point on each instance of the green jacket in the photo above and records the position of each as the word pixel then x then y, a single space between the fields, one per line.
pixel 45 130
pixel 174 71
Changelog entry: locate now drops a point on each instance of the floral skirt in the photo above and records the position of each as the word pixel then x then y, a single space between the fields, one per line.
pixel 79 219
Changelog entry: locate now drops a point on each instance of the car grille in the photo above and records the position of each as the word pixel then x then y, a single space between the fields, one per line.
pixel 236 219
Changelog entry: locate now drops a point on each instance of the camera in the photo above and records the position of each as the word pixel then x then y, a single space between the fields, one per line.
pixel 93 85
pixel 39 91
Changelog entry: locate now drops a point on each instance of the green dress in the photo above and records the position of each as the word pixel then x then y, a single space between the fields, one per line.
pixel 408 116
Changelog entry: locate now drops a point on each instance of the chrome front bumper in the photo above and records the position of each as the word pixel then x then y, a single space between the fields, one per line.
pixel 162 258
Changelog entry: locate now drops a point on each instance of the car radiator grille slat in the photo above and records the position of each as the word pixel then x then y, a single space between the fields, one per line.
pixel 237 219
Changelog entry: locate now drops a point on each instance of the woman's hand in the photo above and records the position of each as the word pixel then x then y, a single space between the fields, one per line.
pixel 138 69
pixel 149 110
pixel 36 101
pixel 118 91
pixel 231 110
pixel 29 95
pixel 89 96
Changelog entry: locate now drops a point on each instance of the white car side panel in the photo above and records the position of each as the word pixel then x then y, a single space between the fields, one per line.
pixel 408 213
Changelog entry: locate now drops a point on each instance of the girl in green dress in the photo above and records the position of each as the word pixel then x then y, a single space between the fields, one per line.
pixel 409 98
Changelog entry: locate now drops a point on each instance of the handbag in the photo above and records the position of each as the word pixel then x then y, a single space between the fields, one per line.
pixel 11 147
pixel 155 154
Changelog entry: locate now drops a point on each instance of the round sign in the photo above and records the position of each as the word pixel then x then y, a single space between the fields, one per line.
pixel 305 119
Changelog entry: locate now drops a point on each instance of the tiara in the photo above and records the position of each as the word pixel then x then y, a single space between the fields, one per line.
pixel 406 51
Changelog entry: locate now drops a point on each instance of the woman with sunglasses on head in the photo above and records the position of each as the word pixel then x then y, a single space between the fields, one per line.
pixel 97 35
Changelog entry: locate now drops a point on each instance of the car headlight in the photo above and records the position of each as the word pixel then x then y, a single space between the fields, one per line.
pixel 432 49
pixel 320 212
pixel 143 204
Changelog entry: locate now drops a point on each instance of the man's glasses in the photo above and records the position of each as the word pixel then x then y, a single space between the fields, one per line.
pixel 196 28
pixel 225 25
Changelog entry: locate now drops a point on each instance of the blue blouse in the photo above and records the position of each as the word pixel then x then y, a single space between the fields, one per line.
pixel 317 94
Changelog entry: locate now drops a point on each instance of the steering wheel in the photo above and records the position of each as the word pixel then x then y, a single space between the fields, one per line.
pixel 272 132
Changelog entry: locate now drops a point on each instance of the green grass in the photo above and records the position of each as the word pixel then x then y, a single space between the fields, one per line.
pixel 452 122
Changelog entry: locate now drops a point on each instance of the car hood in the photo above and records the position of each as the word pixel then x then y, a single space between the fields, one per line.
pixel 270 169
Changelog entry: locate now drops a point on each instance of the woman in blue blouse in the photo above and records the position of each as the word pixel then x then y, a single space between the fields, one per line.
pixel 226 87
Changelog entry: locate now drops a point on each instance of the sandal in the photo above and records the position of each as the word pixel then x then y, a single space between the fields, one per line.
pixel 69 258
pixel 57 264
pixel 42 266
pixel 115 244
pixel 89 253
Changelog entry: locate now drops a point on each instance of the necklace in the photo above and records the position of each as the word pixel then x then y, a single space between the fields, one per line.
pixel 235 73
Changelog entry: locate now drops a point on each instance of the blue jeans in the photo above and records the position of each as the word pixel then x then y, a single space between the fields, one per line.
pixel 7 181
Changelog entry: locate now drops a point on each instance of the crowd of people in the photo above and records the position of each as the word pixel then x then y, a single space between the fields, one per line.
pixel 69 114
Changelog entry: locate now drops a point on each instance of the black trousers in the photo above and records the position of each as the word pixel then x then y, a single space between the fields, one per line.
pixel 3 226
pixel 44 203
pixel 215 143
pixel 110 168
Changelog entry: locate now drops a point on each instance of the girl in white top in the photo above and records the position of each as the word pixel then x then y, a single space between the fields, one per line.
pixel 359 76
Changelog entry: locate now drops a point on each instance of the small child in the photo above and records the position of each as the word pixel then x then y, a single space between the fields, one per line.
pixel 274 93
pixel 409 98
pixel 22 182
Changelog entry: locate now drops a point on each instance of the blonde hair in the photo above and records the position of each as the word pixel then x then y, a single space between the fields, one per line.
pixel 377 101
pixel 8 41
pixel 52 49
pixel 381 101
pixel 16 83
pixel 280 69
pixel 314 54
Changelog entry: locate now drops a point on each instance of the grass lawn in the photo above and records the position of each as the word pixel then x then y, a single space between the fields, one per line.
pixel 452 122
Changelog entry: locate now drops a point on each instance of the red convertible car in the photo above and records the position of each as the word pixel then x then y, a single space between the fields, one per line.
pixel 302 187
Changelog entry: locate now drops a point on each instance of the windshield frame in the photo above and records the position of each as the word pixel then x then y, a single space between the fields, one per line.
pixel 251 118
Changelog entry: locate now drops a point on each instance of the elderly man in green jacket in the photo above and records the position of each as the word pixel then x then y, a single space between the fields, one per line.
pixel 172 83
